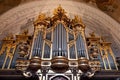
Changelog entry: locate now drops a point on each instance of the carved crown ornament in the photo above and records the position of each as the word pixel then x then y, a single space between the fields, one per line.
pixel 59 14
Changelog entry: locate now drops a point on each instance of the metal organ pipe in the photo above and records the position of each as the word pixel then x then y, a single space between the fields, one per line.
pixel 37 45
pixel 40 44
pixel 80 46
pixel 83 47
pixel 35 54
pixel 60 41
pixel 2 58
pixel 34 47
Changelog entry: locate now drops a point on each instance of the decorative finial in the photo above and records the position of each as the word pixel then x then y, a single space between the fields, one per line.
pixel 9 37
pixel 77 19
pixel 59 10
pixel 92 34
pixel 102 38
pixel 25 32
pixel 40 18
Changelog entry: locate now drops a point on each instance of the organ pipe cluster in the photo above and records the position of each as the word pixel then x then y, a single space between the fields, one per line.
pixel 58 45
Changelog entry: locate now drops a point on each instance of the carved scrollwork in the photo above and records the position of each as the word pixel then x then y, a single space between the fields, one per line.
pixel 60 14
pixel 41 20
pixel 23 49
pixel 77 22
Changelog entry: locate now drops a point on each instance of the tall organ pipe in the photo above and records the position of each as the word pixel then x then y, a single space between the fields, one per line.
pixel 60 41
pixel 80 47
pixel 37 48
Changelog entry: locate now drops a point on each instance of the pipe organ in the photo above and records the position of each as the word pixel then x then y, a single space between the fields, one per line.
pixel 58 49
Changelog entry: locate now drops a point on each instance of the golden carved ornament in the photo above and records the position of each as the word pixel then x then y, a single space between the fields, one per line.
pixel 42 19
pixel 92 34
pixel 77 21
pixel 59 64
pixel 59 15
pixel 9 37
pixel 25 32
pixel 59 10
pixel 9 40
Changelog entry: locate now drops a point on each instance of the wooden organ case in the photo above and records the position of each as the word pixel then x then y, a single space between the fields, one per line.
pixel 57 50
